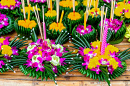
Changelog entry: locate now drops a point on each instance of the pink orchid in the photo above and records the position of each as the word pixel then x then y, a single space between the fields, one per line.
pixel 62 61
pixel 110 69
pixel 97 70
pixel 104 62
pixel 1 63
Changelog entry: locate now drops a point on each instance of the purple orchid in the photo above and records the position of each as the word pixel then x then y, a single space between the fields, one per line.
pixel 86 60
pixel 108 1
pixel 3 20
pixel 1 63
pixel 80 29
pixel 15 51
pixel 12 7
pixel 97 70
pixel 62 61
pixel 55 69
pixel 114 25
pixel 110 69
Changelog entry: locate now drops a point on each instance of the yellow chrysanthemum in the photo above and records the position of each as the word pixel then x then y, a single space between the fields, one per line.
pixel 87 50
pixel 111 48
pixel 56 27
pixel 8 3
pixel 113 62
pixel 85 2
pixel 27 24
pixel 27 9
pixel 67 3
pixel 96 44
pixel 93 62
pixel 74 16
pixel 95 12
pixel 50 13
pixel 1 40
pixel 6 50
pixel 122 8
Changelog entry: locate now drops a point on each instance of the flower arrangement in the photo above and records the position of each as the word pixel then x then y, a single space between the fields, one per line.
pixel 89 33
pixel 116 30
pixel 122 11
pixel 6 24
pixel 45 58
pixel 7 51
pixel 99 66
pixel 10 6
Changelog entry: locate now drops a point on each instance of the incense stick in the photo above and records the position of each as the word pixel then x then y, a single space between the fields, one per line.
pixel 44 26
pixel 23 9
pixel 57 9
pixel 101 24
pixel 28 2
pixel 38 21
pixel 113 8
pixel 73 1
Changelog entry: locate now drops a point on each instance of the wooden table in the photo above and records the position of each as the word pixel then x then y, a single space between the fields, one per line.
pixel 72 79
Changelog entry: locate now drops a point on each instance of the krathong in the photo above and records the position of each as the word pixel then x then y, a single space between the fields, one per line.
pixel 7 51
pixel 45 58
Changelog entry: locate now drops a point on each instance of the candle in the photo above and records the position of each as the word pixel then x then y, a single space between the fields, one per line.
pixel 51 5
pixel 104 42
pixel 61 16
pixel 44 29
pixel 29 12
pixel 73 1
pixel 96 5
pixel 84 20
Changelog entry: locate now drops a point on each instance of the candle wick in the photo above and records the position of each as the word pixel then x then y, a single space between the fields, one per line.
pixel 57 24
pixel 25 20
pixel 48 8
pixel 74 13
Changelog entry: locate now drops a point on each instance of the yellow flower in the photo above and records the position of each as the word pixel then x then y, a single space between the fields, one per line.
pixel 87 50
pixel 122 8
pixel 27 24
pixel 1 40
pixel 111 48
pixel 67 3
pixel 113 62
pixel 85 2
pixel 8 3
pixel 74 16
pixel 50 13
pixel 96 44
pixel 27 9
pixel 94 13
pixel 93 62
pixel 6 50
pixel 56 27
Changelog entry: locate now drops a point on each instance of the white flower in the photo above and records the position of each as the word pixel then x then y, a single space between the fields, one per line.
pixel 48 42
pixel 55 60
pixel 34 58
pixel 59 46
pixel 30 47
